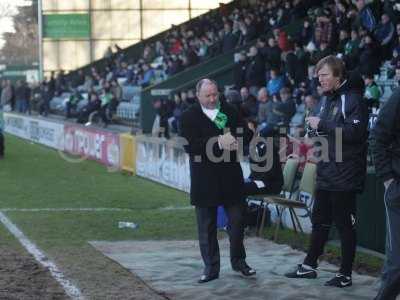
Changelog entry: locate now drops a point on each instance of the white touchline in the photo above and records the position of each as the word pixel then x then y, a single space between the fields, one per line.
pixel 69 288
pixel 100 209
pixel 90 209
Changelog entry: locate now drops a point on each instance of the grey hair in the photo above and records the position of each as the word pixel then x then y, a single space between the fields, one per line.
pixel 203 81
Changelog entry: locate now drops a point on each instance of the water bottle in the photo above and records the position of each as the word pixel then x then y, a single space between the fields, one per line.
pixel 127 225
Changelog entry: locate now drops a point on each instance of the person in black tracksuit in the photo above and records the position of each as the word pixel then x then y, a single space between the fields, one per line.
pixel 386 151
pixel 342 170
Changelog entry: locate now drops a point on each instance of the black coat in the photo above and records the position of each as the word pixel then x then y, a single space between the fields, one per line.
pixel 268 170
pixel 386 134
pixel 350 173
pixel 255 71
pixel 213 183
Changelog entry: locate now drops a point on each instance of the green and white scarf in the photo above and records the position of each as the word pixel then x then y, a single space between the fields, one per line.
pixel 221 119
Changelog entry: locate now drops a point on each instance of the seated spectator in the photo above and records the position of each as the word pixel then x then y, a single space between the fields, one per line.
pixel 249 104
pixel 321 52
pixel 276 82
pixel 94 104
pixel 372 92
pixel 286 108
pixel 395 62
pixel 148 76
pixel 233 97
pixel 106 99
pixel 72 103
pixel 274 118
pixel 264 109
pixel 312 106
pixel 265 168
pixel 87 85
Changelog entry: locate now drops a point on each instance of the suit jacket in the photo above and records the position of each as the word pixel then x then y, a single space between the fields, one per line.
pixel 213 181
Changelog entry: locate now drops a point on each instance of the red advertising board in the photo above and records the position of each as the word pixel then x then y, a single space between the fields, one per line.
pixel 91 143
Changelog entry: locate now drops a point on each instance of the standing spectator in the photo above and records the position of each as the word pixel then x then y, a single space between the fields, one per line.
pixel 6 95
pixel 369 56
pixel 216 183
pixel 22 95
pixel 324 29
pixel 351 51
pixel 46 96
pixel 273 55
pixel 306 33
pixel 291 63
pixel 384 34
pixel 303 60
pixel 229 40
pixel 255 70
pixel 337 182
pixel 239 71
pixel 179 108
pixel 343 40
pixel 251 30
pixel 387 166
pixel 106 98
pixel 366 16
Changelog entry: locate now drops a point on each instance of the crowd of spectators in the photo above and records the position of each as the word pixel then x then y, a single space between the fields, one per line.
pixel 274 81
pixel 281 65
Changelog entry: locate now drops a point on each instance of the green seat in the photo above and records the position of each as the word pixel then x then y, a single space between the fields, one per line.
pixel 307 185
pixel 289 175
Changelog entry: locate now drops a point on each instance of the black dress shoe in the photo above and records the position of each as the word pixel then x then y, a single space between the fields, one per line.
pixel 245 270
pixel 207 278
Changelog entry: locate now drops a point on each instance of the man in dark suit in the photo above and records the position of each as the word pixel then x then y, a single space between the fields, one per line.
pixel 216 175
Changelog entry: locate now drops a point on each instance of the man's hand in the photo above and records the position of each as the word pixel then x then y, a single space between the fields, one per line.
pixel 388 182
pixel 251 126
pixel 227 142
pixel 313 122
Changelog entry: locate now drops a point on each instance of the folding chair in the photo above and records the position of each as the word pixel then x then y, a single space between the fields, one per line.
pixel 307 185
pixel 289 175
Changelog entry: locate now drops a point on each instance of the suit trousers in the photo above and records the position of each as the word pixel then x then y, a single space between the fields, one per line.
pixel 207 232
